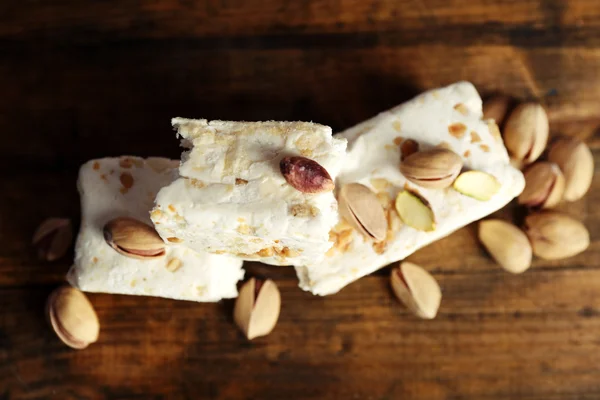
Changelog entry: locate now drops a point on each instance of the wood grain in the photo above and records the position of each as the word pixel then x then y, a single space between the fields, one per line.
pixel 92 79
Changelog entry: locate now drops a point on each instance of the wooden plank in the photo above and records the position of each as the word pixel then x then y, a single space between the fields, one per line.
pixel 497 336
pixel 524 22
pixel 25 207
pixel 79 103
pixel 91 79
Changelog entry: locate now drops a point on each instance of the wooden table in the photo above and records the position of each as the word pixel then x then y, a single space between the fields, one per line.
pixel 86 79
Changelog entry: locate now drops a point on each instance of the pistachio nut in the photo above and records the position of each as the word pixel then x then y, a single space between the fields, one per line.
pixel 72 317
pixel 507 244
pixel 417 289
pixel 577 165
pixel 436 168
pixel 477 184
pixel 133 238
pixel 173 264
pixel 555 235
pixel 257 308
pixel 526 132
pixel 361 208
pixel 53 238
pixel 415 211
pixel 306 175
pixel 408 147
pixel 496 108
pixel 544 185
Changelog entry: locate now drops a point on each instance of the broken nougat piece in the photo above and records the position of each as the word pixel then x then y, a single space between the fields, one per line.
pixel 450 118
pixel 233 199
pixel 126 187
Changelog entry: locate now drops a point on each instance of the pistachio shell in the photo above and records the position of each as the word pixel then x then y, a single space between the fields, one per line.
pixel 53 238
pixel 257 308
pixel 507 244
pixel 544 185
pixel 417 289
pixel 72 317
pixel 496 108
pixel 436 168
pixel 407 148
pixel 555 235
pixel 133 238
pixel 360 206
pixel 526 132
pixel 577 164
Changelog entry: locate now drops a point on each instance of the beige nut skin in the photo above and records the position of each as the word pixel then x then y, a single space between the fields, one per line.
pixel 554 235
pixel 544 185
pixel 417 289
pixel 363 210
pixel 257 307
pixel 507 244
pixel 576 162
pixel 72 317
pixel 133 238
pixel 497 108
pixel 435 169
pixel 526 132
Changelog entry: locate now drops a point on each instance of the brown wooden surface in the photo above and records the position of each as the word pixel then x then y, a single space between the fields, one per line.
pixel 84 79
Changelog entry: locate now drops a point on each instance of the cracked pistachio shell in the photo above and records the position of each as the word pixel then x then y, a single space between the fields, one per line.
pixel 544 186
pixel 526 132
pixel 417 289
pixel 576 162
pixel 360 206
pixel 257 308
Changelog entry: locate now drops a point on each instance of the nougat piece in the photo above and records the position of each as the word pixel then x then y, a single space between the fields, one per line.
pixel 449 117
pixel 232 197
pixel 126 187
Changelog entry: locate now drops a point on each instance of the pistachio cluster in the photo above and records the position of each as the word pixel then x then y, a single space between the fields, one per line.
pixel 565 175
pixel 437 168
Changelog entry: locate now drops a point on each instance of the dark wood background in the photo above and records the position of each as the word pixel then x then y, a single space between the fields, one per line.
pixel 85 79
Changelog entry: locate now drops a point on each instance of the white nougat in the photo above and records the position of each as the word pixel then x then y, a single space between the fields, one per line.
pixel 233 199
pixel 127 187
pixel 450 117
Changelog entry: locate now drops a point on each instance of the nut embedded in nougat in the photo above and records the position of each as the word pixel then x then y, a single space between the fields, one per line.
pixel 415 211
pixel 436 168
pixel 477 184
pixel 306 175
pixel 360 206
pixel 133 238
